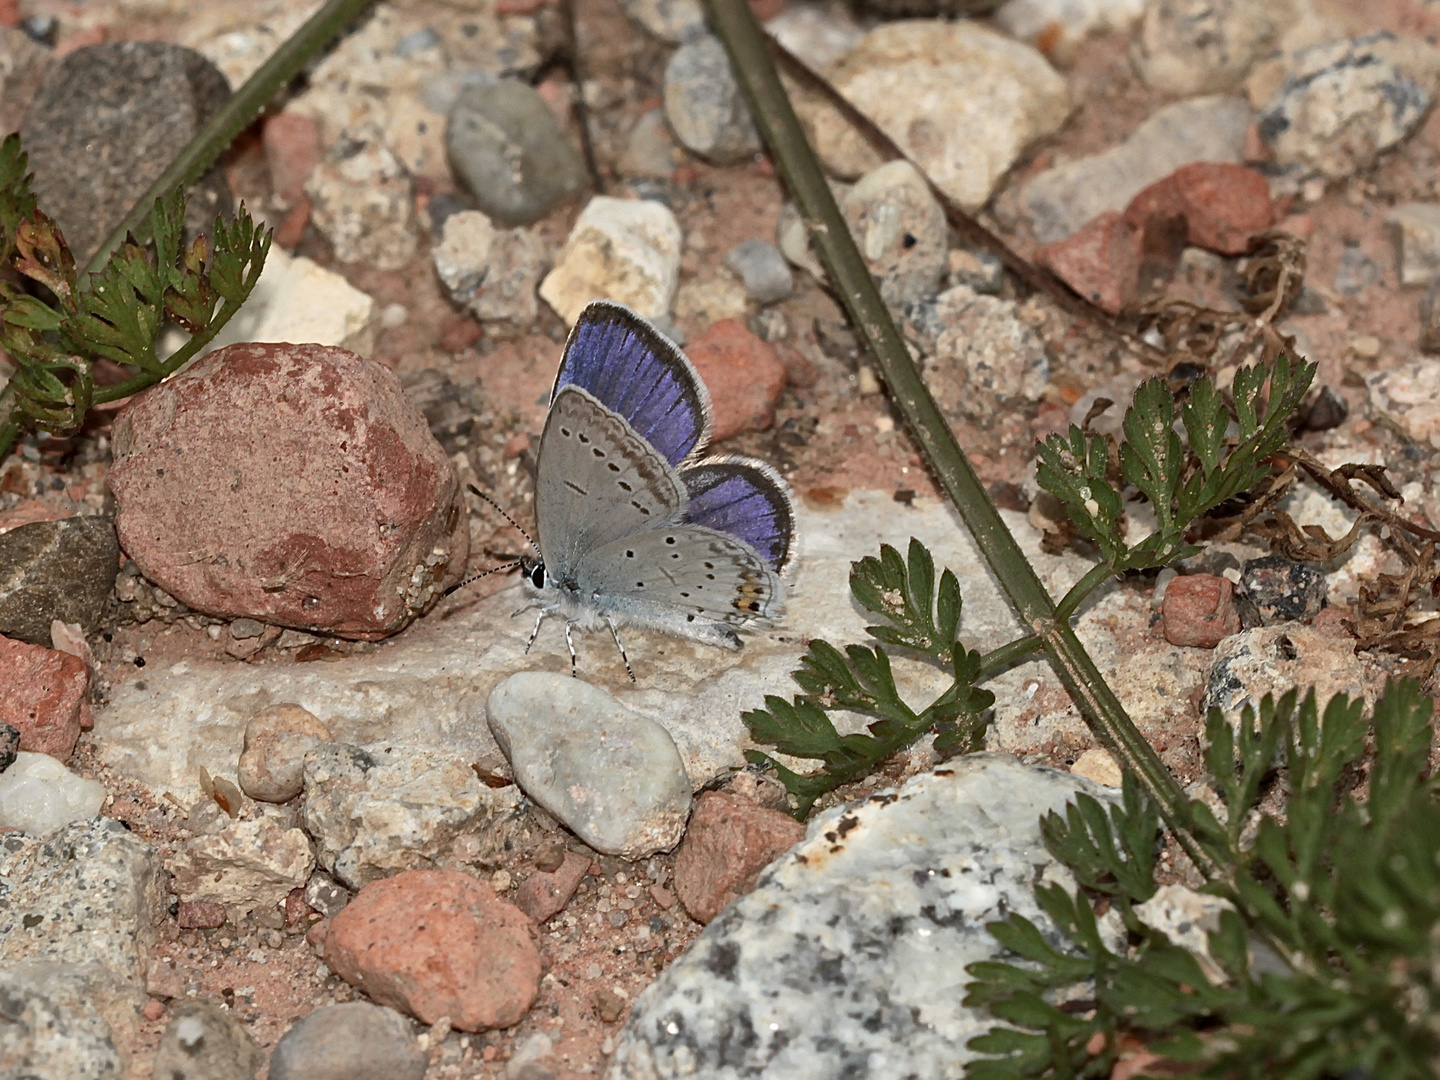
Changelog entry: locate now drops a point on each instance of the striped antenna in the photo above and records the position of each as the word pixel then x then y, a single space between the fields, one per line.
pixel 506 566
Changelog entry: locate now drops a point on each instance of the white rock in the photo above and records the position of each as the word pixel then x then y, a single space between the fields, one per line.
pixel 428 688
pixel 853 946
pixel 962 101
pixel 92 893
pixel 620 249
pixel 1061 199
pixel 983 352
pixel 1344 103
pixel 610 775
pixel 1417 229
pixel 1191 47
pixel 900 230
pixel 816 33
pixel 248 863
pixel 1273 659
pixel 1187 918
pixel 39 795
pixel 1062 24
pixel 298 300
pixel 54 1027
pixel 379 809
pixel 491 271
pixel 363 201
pixel 1408 398
pixel 1099 765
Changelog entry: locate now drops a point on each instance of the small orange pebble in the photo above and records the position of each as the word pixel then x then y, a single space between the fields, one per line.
pixel 517 444
pixel 154 1009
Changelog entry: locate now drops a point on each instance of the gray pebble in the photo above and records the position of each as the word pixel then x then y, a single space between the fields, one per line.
pixel 763 269
pixel 900 230
pixel 704 105
pixel 354 1041
pixel 241 629
pixel 417 42
pixel 1278 590
pixel 9 745
pixel 509 151
pixel 612 776
pixel 56 570
pixel 204 1042
pixel 1356 272
pixel 325 894
pixel 105 124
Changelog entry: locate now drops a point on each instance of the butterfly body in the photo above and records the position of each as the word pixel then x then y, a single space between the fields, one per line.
pixel 634 529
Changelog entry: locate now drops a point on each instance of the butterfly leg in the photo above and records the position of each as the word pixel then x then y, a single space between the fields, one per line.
pixel 536 632
pixel 570 644
pixel 616 635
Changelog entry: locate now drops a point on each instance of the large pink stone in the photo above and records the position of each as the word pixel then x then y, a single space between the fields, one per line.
pixel 293 484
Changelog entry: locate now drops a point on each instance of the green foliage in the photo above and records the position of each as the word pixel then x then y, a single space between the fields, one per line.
pixel 118 314
pixel 1327 963
pixel 916 616
pixel 1180 483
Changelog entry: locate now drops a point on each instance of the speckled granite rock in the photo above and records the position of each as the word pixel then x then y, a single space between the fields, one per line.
pixel 849 957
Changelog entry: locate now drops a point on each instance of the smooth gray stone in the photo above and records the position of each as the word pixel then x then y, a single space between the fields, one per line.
pixel 354 1041
pixel 763 269
pixel 704 105
pixel 510 153
pixel 612 776
pixel 204 1042
pixel 56 570
pixel 107 121
pixel 848 958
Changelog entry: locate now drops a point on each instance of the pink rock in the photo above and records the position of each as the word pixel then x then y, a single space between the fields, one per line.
pixel 292 484
pixel 436 943
pixel 743 375
pixel 543 895
pixel 1101 262
pixel 200 915
pixel 45 696
pixel 1223 205
pixel 292 150
pixel 729 841
pixel 1199 611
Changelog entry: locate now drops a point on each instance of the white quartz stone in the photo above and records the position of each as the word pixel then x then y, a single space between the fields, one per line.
pixel 39 795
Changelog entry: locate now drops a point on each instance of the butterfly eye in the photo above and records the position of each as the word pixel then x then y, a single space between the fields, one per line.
pixel 537 575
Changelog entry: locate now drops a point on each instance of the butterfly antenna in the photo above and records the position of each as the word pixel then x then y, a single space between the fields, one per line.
pixel 483 573
pixel 501 511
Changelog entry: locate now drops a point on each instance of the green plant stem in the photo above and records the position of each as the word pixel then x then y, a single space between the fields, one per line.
pixel 997 660
pixel 9 431
pixel 1071 601
pixel 216 136
pixel 750 58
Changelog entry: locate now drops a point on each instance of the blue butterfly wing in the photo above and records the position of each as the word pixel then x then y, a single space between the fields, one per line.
pixel 633 370
pixel 746 499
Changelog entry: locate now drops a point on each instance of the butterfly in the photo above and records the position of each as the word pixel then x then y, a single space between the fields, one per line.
pixel 634 527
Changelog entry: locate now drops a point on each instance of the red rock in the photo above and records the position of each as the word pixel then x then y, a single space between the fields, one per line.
pixel 291 230
pixel 1334 621
pixel 46 696
pixel 1199 611
pixel 1223 205
pixel 316 935
pixel 729 841
pixel 435 943
pixel 1299 225
pixel 295 906
pixel 27 512
pixel 1256 150
pixel 200 915
pixel 1101 262
pixel 459 334
pixel 292 484
pixel 799 371
pixel 544 895
pixel 292 150
pixel 662 896
pixel 742 373
pixel 154 1010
